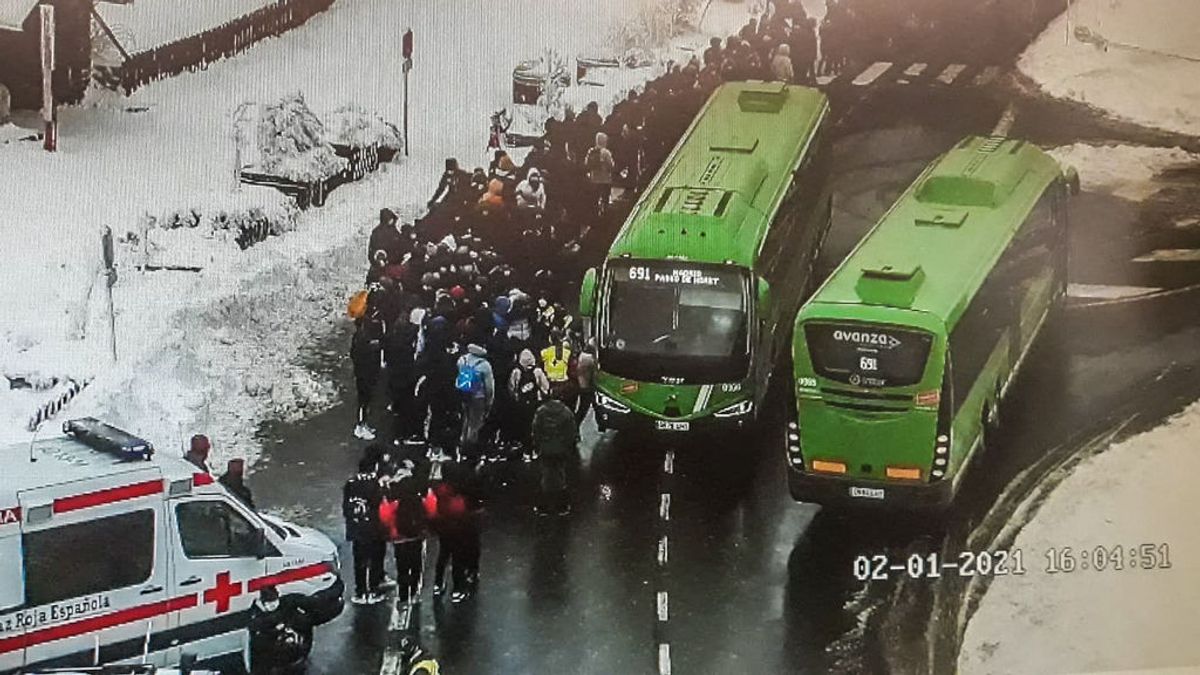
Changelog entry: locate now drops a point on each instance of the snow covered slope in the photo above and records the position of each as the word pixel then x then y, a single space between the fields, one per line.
pixel 214 351
pixel 1086 621
pixel 1139 60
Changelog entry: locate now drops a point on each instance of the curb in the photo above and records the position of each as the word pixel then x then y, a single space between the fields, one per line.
pixel 1158 295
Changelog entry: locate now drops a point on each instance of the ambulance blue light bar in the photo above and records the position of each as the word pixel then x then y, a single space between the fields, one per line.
pixel 108 439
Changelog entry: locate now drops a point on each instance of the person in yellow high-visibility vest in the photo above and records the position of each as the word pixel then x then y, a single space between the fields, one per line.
pixel 418 661
pixel 558 365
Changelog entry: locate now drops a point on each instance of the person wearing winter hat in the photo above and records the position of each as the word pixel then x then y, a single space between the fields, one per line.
pixel 531 194
pixel 453 185
pixel 527 388
pixel 197 453
pixel 385 237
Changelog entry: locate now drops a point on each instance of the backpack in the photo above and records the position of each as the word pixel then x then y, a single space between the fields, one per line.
pixel 469 380
pixel 528 392
pixel 357 307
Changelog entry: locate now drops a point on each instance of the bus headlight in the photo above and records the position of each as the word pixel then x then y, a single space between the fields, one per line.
pixel 741 408
pixel 611 404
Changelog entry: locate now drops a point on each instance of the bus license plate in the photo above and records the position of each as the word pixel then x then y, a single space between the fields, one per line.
pixel 868 493
pixel 668 425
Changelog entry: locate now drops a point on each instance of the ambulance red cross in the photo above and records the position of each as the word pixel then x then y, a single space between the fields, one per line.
pixel 109 552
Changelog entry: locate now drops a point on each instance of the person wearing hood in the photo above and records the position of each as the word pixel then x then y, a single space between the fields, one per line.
pixel 366 347
pixel 436 395
pixel 781 64
pixel 556 443
pixel 451 187
pixel 531 194
pixel 385 237
pixel 600 164
pixel 527 388
pixel 477 383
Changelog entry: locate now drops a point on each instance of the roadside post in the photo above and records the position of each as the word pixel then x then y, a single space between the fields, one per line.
pixel 110 279
pixel 406 49
pixel 49 114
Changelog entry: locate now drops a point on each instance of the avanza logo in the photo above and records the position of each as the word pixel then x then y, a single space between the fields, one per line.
pixel 864 338
pixel 10 515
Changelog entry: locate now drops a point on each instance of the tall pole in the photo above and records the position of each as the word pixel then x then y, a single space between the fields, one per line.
pixel 49 114
pixel 110 278
pixel 407 68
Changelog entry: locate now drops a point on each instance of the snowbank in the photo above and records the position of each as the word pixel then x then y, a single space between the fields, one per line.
pixel 145 24
pixel 217 351
pixel 1139 60
pixel 1124 171
pixel 1088 620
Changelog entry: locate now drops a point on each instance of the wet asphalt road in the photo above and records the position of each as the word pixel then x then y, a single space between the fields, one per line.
pixel 758 583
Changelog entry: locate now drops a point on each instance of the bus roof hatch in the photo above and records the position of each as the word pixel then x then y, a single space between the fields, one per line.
pixel 894 285
pixel 763 97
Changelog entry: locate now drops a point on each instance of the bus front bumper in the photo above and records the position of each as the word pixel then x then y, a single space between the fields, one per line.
pixel 853 494
pixel 639 423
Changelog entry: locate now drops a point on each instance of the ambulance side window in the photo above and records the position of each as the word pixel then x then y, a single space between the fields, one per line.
pixel 214 529
pixel 89 557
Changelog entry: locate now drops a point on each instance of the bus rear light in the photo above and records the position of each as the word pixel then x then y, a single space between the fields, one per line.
pixel 941 450
pixel 928 399
pixel 940 461
pixel 938 473
pixel 826 466
pixel 903 473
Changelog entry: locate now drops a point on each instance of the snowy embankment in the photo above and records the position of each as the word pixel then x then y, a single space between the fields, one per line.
pixel 1088 620
pixel 217 351
pixel 1125 171
pixel 146 24
pixel 1138 60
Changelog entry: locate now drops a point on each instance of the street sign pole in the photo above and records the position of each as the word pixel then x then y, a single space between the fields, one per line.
pixel 49 114
pixel 406 50
pixel 110 278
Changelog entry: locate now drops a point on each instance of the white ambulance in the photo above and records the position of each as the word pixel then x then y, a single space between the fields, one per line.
pixel 111 555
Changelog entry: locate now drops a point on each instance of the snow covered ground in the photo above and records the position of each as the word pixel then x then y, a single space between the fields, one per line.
pixel 215 351
pixel 1124 171
pixel 145 24
pixel 1149 72
pixel 1136 492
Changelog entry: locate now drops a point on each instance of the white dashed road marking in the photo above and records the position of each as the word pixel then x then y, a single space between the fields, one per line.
pixel 1171 255
pixel 951 72
pixel 872 73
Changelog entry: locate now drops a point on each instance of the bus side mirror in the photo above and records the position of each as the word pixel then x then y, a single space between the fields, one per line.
pixel 587 293
pixel 1071 177
pixel 764 298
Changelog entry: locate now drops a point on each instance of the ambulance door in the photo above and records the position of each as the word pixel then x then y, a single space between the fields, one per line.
pixel 95 571
pixel 218 548
pixel 12 590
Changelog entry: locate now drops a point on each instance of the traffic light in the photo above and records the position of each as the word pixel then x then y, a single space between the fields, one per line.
pixel 406 45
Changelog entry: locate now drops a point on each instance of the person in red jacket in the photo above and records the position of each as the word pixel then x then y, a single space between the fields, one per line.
pixel 454 517
pixel 402 514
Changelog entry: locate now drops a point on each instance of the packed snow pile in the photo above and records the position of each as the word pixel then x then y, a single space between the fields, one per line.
pixel 1138 60
pixel 1132 499
pixel 292 142
pixel 355 125
pixel 146 24
pixel 1124 171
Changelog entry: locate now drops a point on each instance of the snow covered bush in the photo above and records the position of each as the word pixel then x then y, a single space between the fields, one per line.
pixel 292 142
pixel 353 125
pixel 653 24
pixel 244 217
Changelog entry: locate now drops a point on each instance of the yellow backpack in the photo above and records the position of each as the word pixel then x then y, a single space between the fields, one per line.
pixel 357 308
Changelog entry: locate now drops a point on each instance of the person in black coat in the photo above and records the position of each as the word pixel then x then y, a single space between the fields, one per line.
pixel 399 351
pixel 452 188
pixel 365 353
pixel 360 510
pixel 385 237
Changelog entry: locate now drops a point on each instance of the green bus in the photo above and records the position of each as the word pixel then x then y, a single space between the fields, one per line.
pixel 694 302
pixel 902 356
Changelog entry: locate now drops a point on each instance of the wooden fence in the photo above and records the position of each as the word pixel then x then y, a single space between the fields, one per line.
pixel 197 51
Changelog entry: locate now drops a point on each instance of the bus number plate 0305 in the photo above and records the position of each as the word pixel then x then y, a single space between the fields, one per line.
pixel 668 425
pixel 869 493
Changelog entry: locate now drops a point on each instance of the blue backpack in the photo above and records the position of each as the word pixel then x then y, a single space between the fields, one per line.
pixel 469 380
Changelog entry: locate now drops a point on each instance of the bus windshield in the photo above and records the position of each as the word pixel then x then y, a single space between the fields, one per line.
pixel 868 355
pixel 676 320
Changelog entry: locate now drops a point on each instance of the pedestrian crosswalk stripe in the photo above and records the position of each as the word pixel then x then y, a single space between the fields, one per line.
pixel 951 72
pixel 872 73
pixel 825 79
pixel 664 659
pixel 915 69
pixel 990 73
pixel 1171 255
